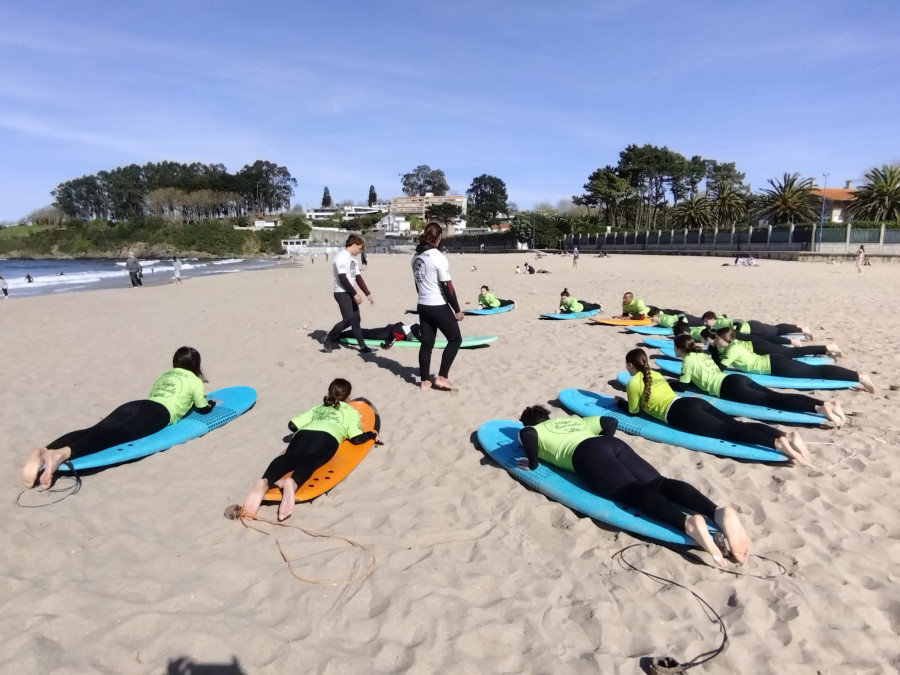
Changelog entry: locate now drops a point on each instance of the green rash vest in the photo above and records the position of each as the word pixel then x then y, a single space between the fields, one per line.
pixel 661 395
pixel 571 304
pixel 342 422
pixel 558 438
pixel 179 390
pixel 488 300
pixel 725 322
pixel 636 306
pixel 701 371
pixel 737 356
pixel 668 320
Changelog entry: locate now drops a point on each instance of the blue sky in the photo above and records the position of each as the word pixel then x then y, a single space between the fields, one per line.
pixel 348 94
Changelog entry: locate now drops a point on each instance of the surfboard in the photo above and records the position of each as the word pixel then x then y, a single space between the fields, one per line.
pixel 659 330
pixel 673 366
pixel 344 461
pixel 490 310
pixel 470 341
pixel 573 315
pixel 235 401
pixel 667 347
pixel 499 441
pixel 754 412
pixel 587 403
pixel 622 322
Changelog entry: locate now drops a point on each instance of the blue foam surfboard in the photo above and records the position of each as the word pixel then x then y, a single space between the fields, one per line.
pixel 490 310
pixel 668 348
pixel 587 403
pixel 572 315
pixel 499 440
pixel 659 330
pixel 235 401
pixel 753 412
pixel 673 366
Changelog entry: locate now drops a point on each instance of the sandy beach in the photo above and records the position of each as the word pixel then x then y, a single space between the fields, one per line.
pixel 140 572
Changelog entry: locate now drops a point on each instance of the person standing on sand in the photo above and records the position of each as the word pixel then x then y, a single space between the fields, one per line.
pixel 438 307
pixel 575 258
pixel 860 258
pixel 346 280
pixel 176 266
pixel 134 270
pixel 4 287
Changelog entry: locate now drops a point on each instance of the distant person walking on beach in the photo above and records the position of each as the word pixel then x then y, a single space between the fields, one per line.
pixel 135 271
pixel 860 258
pixel 176 266
pixel 575 258
pixel 346 280
pixel 4 287
pixel 438 307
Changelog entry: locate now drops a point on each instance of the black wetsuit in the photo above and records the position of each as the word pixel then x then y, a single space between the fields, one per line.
pixel 307 451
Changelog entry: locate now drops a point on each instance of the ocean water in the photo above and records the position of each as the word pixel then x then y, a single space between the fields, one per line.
pixel 67 276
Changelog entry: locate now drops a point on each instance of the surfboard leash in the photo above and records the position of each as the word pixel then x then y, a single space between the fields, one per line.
pixel 666 665
pixel 68 491
pixel 312 533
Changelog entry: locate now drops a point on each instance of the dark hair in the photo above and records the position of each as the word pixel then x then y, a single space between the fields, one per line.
pixel 338 391
pixel 726 334
pixel 653 311
pixel 708 333
pixel 431 234
pixel 565 291
pixel 627 293
pixel 188 358
pixel 681 327
pixel 687 344
pixel 707 316
pixel 534 414
pixel 355 239
pixel 484 286
pixel 638 359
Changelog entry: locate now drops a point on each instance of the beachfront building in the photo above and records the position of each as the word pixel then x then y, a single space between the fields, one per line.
pixel 294 247
pixel 417 205
pixel 837 201
pixel 345 213
pixel 393 225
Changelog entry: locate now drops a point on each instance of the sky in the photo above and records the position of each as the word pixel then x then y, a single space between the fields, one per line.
pixel 352 93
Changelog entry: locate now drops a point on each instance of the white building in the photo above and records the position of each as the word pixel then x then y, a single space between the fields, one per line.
pixel 346 212
pixel 417 205
pixel 393 225
pixel 295 246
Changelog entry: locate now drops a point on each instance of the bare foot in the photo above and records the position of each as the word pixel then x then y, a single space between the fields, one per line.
pixel 32 466
pixel 807 333
pixel 52 460
pixel 784 446
pixel 795 342
pixel 833 351
pixel 738 541
pixel 286 508
pixel 695 528
pixel 839 409
pixel 254 499
pixel 798 445
pixel 867 383
pixel 443 383
pixel 425 384
pixel 828 410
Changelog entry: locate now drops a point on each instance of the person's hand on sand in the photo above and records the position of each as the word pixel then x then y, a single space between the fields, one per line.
pixel 378 439
pixel 522 463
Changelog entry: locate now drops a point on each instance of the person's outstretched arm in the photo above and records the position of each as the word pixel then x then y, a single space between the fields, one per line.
pixel 528 437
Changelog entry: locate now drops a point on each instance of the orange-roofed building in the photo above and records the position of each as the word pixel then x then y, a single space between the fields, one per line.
pixel 837 201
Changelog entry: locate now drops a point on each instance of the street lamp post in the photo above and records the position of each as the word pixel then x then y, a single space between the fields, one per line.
pixel 822 212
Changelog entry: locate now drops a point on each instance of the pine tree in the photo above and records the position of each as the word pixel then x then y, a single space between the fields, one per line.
pixel 373 197
pixel 326 198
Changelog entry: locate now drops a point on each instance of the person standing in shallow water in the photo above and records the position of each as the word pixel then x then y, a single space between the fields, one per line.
pixel 134 270
pixel 4 287
pixel 176 267
pixel 438 307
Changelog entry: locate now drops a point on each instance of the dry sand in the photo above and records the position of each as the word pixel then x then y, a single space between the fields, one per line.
pixel 140 573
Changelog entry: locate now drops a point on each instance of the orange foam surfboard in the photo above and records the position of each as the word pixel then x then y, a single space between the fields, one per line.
pixel 622 322
pixel 338 467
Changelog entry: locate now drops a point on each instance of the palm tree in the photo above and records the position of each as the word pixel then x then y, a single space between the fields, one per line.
pixel 693 213
pixel 789 201
pixel 879 199
pixel 728 206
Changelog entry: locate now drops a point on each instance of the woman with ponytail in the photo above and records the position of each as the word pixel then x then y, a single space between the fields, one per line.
pixel 734 354
pixel 649 392
pixel 438 307
pixel 758 328
pixel 699 369
pixel 568 304
pixel 319 432
pixel 764 346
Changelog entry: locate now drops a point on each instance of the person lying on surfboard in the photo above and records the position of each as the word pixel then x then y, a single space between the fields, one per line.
pixel 610 468
pixel 699 369
pixel 389 334
pixel 319 433
pixel 173 395
pixel 632 307
pixel 759 345
pixel 648 392
pixel 486 299
pixel 568 304
pixel 667 318
pixel 756 327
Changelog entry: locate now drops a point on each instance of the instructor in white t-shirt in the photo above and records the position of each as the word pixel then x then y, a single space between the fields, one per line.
pixel 438 307
pixel 348 284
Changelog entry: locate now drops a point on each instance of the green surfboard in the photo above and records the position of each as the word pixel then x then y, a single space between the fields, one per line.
pixel 471 341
